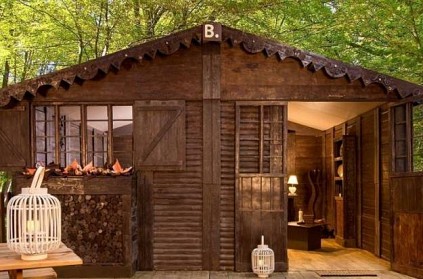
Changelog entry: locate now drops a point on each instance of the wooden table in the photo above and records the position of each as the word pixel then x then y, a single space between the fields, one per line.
pixel 11 262
pixel 304 236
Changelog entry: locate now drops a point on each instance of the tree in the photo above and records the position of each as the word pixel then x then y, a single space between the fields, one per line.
pixel 39 36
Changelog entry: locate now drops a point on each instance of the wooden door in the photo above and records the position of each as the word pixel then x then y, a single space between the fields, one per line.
pixel 260 173
pixel 160 139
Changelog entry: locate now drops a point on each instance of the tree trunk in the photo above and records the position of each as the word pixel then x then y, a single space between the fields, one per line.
pixel 137 19
pixel 6 74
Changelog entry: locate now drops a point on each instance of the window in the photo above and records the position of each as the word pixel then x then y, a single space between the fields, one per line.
pixel 417 117
pixel 97 133
pixel 408 137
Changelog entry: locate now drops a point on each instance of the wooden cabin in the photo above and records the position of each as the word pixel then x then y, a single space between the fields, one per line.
pixel 214 120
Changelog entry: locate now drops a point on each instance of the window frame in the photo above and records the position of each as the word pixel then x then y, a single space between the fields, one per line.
pixel 84 137
pixel 407 142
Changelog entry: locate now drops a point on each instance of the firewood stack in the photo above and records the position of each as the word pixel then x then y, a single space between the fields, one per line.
pixel 93 227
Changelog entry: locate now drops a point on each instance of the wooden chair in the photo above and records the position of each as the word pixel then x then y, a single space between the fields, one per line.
pixel 39 273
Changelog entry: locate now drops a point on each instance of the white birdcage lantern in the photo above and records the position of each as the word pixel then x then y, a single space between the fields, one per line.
pixel 263 260
pixel 34 221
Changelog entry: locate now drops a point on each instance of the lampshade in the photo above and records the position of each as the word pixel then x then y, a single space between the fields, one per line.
pixel 263 260
pixel 34 221
pixel 293 180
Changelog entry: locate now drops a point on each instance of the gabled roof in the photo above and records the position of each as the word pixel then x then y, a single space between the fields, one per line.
pixel 172 43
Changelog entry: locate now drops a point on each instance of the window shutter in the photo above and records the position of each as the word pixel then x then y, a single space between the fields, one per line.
pixel 160 135
pixel 14 137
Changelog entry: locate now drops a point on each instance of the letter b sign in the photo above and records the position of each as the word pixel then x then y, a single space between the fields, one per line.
pixel 212 32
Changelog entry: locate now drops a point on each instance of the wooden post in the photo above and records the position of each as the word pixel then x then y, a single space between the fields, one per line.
pixel 211 156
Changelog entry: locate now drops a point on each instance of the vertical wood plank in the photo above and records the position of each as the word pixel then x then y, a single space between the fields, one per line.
pixel 145 194
pixel 359 184
pixel 261 136
pixel 238 183
pixel 376 139
pixel 211 156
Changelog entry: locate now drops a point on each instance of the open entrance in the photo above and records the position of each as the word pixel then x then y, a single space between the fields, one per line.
pixel 339 153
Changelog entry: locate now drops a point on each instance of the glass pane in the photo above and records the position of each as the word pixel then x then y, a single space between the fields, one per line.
pixel 67 158
pixel 96 112
pixel 122 135
pixel 97 127
pixel 70 144
pixel 122 128
pixel 70 113
pixel 45 158
pixel 122 112
pixel 44 113
pixel 97 139
pixel 98 159
pixel 125 158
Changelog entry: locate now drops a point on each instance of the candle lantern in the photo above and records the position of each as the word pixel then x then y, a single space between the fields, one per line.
pixel 34 221
pixel 263 260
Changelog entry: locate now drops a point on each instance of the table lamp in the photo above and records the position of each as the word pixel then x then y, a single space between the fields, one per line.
pixel 292 180
pixel 34 221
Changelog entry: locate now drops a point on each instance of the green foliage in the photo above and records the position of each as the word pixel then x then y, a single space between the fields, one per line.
pixel 3 179
pixel 39 36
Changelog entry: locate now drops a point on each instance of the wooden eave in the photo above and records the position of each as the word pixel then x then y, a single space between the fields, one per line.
pixel 172 43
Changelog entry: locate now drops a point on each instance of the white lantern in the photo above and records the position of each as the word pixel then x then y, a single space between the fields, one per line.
pixel 263 260
pixel 34 221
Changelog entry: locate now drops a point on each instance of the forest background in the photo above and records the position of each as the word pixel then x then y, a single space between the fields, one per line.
pixel 41 36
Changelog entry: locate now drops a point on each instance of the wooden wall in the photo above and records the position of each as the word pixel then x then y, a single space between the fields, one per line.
pixel 372 130
pixel 407 197
pixel 255 77
pixel 308 157
pixel 174 77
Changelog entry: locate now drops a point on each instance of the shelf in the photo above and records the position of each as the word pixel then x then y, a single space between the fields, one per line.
pixel 339 178
pixel 337 159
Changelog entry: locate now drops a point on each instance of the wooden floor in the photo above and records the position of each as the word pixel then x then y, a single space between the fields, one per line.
pixel 302 264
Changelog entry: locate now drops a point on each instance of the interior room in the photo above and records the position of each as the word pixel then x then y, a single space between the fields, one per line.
pixel 333 147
